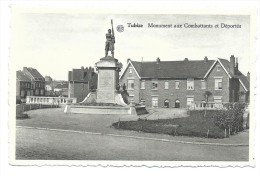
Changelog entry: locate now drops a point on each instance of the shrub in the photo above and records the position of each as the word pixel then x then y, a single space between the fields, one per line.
pixel 230 117
pixel 18 101
pixel 22 116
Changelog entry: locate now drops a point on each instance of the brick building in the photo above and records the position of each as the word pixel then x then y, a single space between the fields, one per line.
pixel 23 85
pixel 178 84
pixel 37 81
pixel 80 82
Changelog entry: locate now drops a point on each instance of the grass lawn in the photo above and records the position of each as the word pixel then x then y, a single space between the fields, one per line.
pixel 194 125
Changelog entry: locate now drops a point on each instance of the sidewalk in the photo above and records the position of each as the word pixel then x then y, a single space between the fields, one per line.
pixel 56 119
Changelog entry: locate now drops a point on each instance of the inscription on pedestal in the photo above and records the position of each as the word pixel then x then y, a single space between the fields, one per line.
pixel 106 79
pixel 106 86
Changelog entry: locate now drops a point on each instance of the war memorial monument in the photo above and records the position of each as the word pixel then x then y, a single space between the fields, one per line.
pixel 107 99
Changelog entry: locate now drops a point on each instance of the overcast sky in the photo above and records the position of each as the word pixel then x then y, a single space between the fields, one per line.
pixel 55 43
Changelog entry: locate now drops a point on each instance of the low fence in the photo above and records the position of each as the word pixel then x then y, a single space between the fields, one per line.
pixel 20 108
pixel 203 105
pixel 49 100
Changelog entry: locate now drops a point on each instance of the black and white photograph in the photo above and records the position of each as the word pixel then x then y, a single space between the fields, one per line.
pixel 103 87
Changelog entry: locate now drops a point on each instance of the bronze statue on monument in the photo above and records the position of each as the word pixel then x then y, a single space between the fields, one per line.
pixel 110 42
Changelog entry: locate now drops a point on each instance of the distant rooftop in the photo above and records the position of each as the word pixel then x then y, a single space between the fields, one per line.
pixel 33 72
pixel 20 76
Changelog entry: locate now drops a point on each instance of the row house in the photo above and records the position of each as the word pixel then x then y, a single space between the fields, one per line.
pixel 178 84
pixel 37 81
pixel 23 85
pixel 81 81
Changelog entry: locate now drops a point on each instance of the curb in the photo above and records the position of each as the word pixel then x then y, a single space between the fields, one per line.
pixel 135 137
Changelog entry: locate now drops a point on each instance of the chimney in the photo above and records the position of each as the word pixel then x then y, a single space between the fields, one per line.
pixel 206 59
pixel 128 60
pixel 82 72
pixel 248 76
pixel 158 60
pixel 232 65
pixel 236 66
pixel 186 59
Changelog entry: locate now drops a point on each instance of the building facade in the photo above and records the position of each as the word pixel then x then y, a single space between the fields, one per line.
pixel 179 84
pixel 37 81
pixel 81 81
pixel 23 86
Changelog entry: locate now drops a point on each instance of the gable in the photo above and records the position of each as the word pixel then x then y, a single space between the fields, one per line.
pixel 130 64
pixel 216 63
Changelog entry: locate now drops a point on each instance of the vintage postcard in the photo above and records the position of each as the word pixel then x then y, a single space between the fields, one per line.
pixel 135 87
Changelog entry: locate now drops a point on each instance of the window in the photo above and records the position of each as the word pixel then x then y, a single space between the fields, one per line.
pixel 155 84
pixel 143 84
pixel 37 92
pixel 130 84
pixel 203 84
pixel 218 67
pixel 130 70
pixel 42 92
pixel 166 85
pixel 131 98
pixel 218 83
pixel 190 84
pixel 177 84
pixel 155 101
pixel 22 93
pixel 142 101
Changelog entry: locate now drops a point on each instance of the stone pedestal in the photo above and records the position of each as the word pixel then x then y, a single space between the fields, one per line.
pixel 108 78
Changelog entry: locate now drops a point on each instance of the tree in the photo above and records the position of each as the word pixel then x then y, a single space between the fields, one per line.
pixel 206 95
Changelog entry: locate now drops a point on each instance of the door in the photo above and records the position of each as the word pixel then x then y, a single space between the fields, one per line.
pixel 190 101
pixel 166 103
pixel 155 101
pixel 177 104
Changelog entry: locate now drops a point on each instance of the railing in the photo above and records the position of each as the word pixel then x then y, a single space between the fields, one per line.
pixel 203 105
pixel 49 100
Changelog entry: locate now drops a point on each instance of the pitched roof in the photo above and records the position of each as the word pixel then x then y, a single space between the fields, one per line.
pixel 20 76
pixel 184 69
pixel 244 81
pixel 34 72
pixel 62 86
pixel 242 78
pixel 173 69
pixel 224 63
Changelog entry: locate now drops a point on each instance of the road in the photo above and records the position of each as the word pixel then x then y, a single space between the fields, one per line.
pixel 65 144
pixel 32 144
